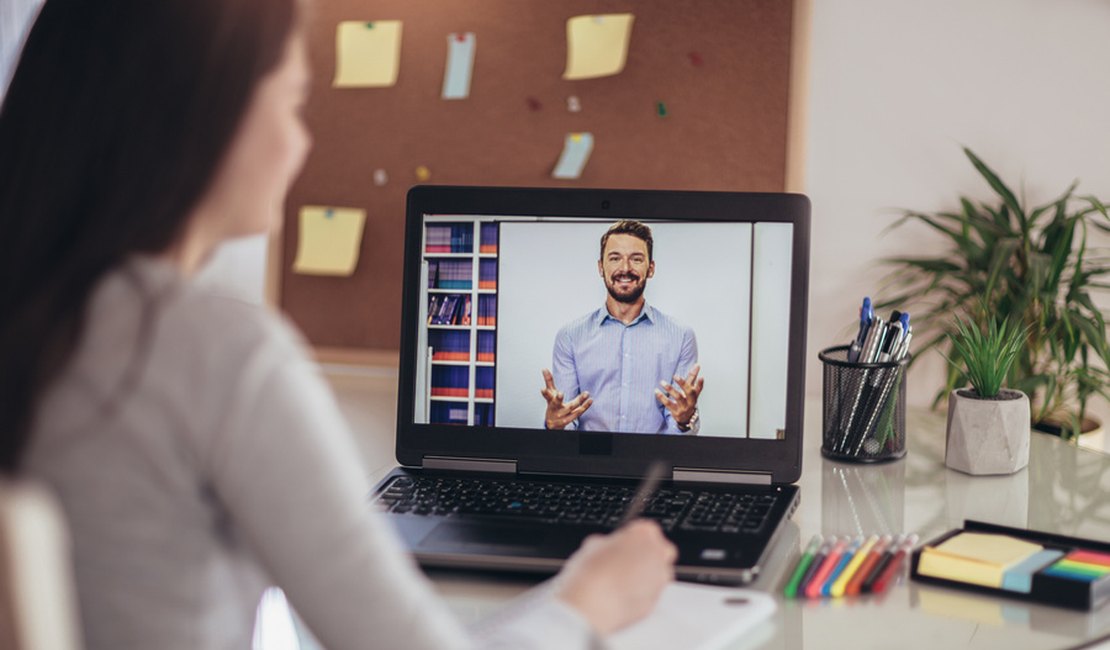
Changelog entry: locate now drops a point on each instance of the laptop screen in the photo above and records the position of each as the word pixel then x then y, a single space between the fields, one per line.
pixel 657 326
pixel 593 332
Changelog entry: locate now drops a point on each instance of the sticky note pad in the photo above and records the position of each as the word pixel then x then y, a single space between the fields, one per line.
pixel 1020 577
pixel 1067 573
pixel 576 152
pixel 460 65
pixel 1090 557
pixel 975 558
pixel 368 54
pixel 1067 564
pixel 330 239
pixel 597 45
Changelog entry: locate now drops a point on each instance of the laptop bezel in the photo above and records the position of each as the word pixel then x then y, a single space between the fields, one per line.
pixel 603 453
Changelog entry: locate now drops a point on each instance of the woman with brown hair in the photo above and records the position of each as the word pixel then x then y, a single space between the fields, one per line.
pixel 196 451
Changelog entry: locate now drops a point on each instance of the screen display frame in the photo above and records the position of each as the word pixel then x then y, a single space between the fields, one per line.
pixel 603 453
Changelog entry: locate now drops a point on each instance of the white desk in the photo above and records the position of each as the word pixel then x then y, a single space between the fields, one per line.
pixel 1065 489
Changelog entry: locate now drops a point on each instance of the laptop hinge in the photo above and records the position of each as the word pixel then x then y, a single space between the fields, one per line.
pixel 696 475
pixel 498 465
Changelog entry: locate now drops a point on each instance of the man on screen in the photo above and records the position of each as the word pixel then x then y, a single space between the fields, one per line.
pixel 619 361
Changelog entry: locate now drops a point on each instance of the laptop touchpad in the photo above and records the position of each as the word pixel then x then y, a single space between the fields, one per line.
pixel 495 539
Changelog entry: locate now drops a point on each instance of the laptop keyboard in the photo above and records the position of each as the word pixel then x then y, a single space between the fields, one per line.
pixel 575 503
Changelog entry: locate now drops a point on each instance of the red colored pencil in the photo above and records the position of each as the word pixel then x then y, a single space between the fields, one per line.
pixel 895 565
pixel 865 569
pixel 813 589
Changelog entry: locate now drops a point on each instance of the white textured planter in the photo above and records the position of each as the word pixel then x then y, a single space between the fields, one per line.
pixel 987 436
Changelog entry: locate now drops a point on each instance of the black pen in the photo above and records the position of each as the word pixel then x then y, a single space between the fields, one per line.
pixel 646 489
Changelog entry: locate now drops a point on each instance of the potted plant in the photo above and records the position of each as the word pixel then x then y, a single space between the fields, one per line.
pixel 988 425
pixel 1032 266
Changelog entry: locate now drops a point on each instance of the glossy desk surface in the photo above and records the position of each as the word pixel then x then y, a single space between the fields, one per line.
pixel 1065 489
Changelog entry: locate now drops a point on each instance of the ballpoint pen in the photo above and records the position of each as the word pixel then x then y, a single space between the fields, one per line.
pixel 644 492
pixel 905 348
pixel 865 315
pixel 893 340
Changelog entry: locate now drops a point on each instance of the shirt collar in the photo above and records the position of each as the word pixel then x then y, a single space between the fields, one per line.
pixel 647 313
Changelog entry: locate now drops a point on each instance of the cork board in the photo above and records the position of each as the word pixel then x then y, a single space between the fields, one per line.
pixel 728 72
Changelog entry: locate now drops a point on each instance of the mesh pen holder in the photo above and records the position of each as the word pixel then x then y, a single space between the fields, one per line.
pixel 863 408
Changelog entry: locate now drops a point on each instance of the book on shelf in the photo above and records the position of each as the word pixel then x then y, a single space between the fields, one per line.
pixel 449 345
pixel 487 310
pixel 448 413
pixel 454 274
pixel 433 267
pixel 486 344
pixel 483 382
pixel 465 319
pixel 447 308
pixel 488 231
pixel 487 274
pixel 449 238
pixel 433 307
pixel 450 381
pixel 483 415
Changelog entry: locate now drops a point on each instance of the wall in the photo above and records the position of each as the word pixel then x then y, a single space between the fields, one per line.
pixel 896 87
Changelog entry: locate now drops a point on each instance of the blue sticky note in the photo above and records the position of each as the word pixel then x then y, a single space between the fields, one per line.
pixel 576 152
pixel 1020 576
pixel 460 65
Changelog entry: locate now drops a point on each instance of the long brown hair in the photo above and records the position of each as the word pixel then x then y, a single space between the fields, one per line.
pixel 114 124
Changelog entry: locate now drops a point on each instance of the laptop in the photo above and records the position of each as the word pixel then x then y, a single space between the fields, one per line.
pixel 518 302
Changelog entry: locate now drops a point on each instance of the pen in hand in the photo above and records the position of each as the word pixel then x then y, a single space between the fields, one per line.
pixel 644 492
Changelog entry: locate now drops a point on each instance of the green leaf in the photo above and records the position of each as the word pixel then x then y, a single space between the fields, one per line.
pixel 1008 198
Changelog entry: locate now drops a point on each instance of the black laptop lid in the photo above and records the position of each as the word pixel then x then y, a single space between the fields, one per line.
pixel 503 283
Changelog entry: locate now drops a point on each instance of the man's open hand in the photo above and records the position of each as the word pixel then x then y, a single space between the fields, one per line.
pixel 559 413
pixel 681 397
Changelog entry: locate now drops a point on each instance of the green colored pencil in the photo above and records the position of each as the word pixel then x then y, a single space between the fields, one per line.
pixel 807 558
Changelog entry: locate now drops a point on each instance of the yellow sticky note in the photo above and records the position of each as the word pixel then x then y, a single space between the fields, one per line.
pixel 986 547
pixel 597 46
pixel 330 240
pixel 368 54
pixel 975 558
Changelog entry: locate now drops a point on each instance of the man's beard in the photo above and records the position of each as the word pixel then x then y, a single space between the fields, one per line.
pixel 633 294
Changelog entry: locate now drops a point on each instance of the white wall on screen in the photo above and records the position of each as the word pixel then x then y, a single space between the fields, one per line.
pixel 548 276
pixel 771 271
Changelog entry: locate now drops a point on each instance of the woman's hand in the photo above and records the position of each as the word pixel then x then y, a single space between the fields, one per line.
pixel 614 580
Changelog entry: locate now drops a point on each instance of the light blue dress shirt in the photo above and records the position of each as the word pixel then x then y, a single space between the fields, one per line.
pixel 621 366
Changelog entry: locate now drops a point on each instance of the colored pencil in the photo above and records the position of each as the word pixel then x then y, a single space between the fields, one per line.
pixel 895 564
pixel 803 564
pixel 880 566
pixel 818 560
pixel 842 561
pixel 813 589
pixel 849 571
pixel 869 563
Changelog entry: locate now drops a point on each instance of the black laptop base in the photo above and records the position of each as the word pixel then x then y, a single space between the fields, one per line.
pixel 521 523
